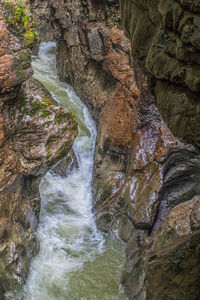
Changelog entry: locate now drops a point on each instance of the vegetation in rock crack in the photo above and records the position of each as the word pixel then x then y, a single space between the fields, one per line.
pixel 19 17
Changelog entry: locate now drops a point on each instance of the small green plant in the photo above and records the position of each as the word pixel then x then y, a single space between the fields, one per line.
pixel 21 74
pixel 60 116
pixel 47 101
pixel 49 153
pixel 31 108
pixel 44 114
pixel 20 18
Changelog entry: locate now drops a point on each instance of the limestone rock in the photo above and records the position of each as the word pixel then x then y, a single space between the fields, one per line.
pixel 144 177
pixel 165 41
pixel 168 265
pixel 167 44
pixel 34 135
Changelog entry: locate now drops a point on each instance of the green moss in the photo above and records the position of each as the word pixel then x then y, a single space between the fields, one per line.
pixel 21 63
pixel 24 57
pixel 26 111
pixel 44 114
pixel 31 108
pixel 35 108
pixel 30 37
pixel 59 117
pixel 47 101
pixel 21 74
pixel 49 153
pixel 21 19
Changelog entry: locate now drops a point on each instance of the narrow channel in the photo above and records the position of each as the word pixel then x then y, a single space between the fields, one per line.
pixel 76 261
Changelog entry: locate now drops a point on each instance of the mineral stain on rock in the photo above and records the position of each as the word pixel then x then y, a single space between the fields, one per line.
pixel 31 142
pixel 142 171
pixel 142 91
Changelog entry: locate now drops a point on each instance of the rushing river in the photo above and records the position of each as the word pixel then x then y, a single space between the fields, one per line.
pixel 76 261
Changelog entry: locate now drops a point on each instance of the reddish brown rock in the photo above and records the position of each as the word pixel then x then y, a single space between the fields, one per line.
pixel 9 80
pixel 144 177
pixel 31 142
pixel 168 266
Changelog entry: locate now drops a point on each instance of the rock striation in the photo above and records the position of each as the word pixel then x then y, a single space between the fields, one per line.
pixel 165 38
pixel 34 135
pixel 146 180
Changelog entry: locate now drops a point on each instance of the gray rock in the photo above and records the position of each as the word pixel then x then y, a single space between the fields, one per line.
pixel 95 42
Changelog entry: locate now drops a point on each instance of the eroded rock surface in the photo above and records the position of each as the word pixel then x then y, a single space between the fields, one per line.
pixel 164 39
pixel 144 177
pixel 34 135
pixel 42 18
pixel 168 266
pixel 164 35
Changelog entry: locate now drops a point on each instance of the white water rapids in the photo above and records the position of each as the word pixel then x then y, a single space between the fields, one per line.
pixel 76 261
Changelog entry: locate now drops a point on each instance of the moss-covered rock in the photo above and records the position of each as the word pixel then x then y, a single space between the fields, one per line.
pixel 34 134
pixel 17 13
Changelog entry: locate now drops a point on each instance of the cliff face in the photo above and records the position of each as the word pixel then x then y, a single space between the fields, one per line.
pixel 165 41
pixel 164 35
pixel 145 179
pixel 31 141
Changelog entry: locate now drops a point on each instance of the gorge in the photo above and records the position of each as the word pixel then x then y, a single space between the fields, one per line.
pixel 75 259
pixel 142 91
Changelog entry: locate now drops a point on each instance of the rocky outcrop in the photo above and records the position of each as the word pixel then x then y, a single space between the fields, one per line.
pixel 164 35
pixel 42 18
pixel 34 135
pixel 145 179
pixel 167 265
pixel 164 41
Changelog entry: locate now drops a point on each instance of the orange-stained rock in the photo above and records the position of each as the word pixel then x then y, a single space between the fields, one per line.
pixel 133 141
pixel 9 78
pixel 27 151
pixel 144 177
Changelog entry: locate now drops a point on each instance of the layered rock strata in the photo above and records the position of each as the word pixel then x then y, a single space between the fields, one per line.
pixel 145 179
pixel 164 35
pixel 34 135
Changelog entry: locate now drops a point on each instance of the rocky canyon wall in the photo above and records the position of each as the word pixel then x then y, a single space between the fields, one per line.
pixel 34 135
pixel 164 35
pixel 146 181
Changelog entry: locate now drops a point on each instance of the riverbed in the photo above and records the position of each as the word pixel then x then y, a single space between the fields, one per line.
pixel 76 261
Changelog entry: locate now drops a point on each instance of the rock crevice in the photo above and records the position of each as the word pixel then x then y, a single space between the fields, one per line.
pixel 31 142
pixel 146 180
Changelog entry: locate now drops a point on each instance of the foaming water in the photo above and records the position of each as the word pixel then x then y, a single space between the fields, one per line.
pixel 75 261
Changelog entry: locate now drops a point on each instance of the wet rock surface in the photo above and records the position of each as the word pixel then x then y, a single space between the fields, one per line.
pixel 168 266
pixel 144 177
pixel 164 41
pixel 34 135
pixel 165 38
pixel 42 16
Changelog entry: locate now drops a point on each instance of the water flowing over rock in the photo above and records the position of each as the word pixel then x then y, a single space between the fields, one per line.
pixel 142 91
pixel 75 259
pixel 144 176
pixel 34 135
